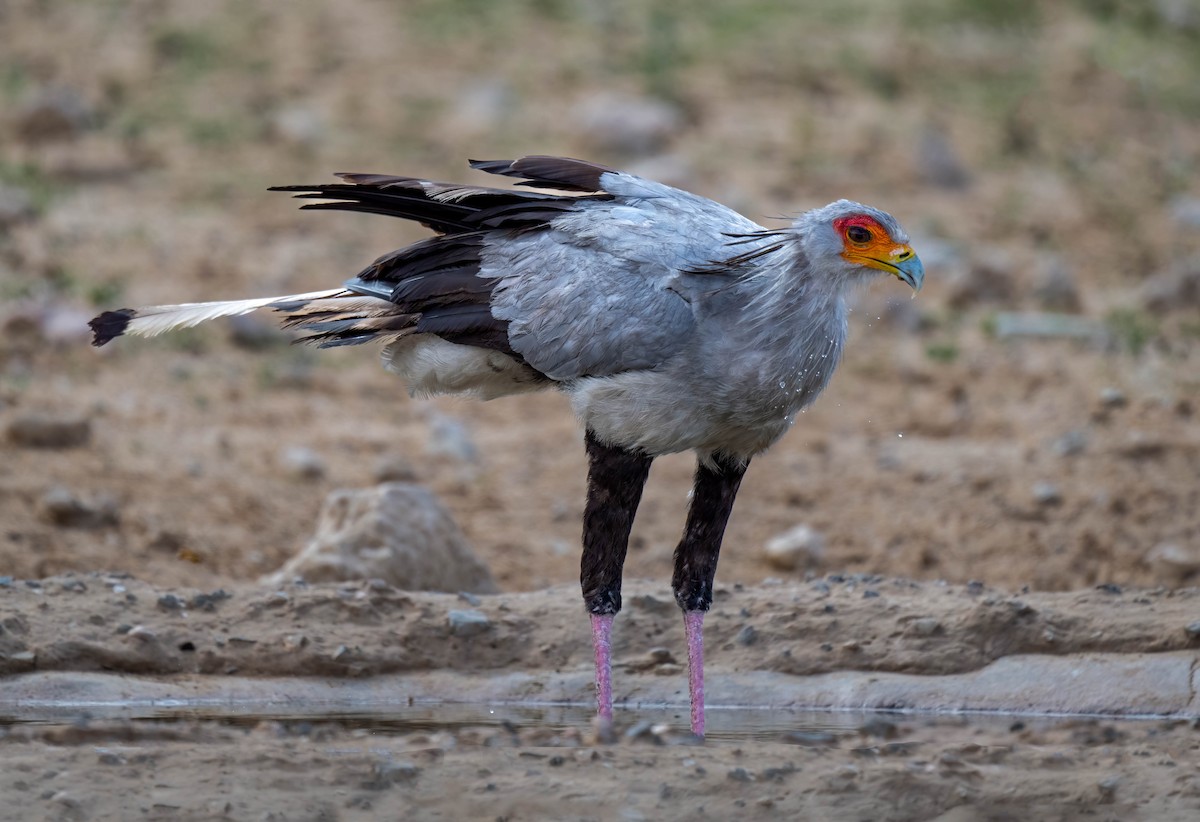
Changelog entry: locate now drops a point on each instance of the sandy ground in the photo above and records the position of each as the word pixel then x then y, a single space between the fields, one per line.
pixel 360 701
pixel 1010 521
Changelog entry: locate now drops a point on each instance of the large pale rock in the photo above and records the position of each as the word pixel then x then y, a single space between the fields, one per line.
pixel 397 532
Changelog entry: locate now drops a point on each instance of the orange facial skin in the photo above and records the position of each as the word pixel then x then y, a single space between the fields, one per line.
pixel 866 242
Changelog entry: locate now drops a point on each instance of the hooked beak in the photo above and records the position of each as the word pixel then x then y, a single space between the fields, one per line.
pixel 911 271
pixel 904 264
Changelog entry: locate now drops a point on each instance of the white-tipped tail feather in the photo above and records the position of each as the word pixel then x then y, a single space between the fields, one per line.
pixel 153 320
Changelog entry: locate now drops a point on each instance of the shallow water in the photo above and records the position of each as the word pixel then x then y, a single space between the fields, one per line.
pixel 725 725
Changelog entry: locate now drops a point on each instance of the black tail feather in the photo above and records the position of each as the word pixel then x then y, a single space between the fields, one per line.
pixel 110 325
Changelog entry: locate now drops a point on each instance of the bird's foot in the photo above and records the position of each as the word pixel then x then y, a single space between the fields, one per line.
pixel 693 623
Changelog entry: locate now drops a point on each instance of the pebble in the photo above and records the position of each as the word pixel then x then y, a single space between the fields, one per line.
pixel 468 623
pixel 1070 444
pixel 653 605
pixel 1112 397
pixel 451 437
pixel 626 123
pixel 299 126
pixel 61 507
pixel 646 731
pixel 740 775
pixel 49 431
pixel 1185 210
pixel 396 772
pixel 938 162
pixel 170 602
pixel 800 546
pixel 208 602
pixel 926 627
pixel 987 278
pixel 811 739
pixel 141 632
pixel 15 205
pixel 1177 288
pixel 482 106
pixel 660 656
pixel 879 728
pixel 747 636
pixel 302 462
pixel 1193 630
pixel 1049 325
pixel 53 113
pixel 1054 285
pixel 394 469
pixel 1046 493
pixel 1174 560
pixel 253 333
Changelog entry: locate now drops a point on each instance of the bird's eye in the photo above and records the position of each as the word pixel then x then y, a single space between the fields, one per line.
pixel 858 234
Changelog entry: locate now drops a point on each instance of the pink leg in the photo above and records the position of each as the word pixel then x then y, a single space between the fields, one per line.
pixel 693 623
pixel 602 645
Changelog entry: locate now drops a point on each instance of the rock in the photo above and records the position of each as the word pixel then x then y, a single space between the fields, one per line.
pixel 1178 14
pixel 800 547
pixel 1192 629
pixel 66 325
pixel 299 126
pixel 1176 288
pixel 302 462
pixel 1112 397
pixel 394 469
pixel 397 772
pixel 468 623
pixel 747 636
pixel 671 169
pixel 61 507
pixel 1054 285
pixel 1048 325
pixel 397 532
pixel 253 333
pixel 481 107
pixel 627 124
pixel 987 279
pixel 1174 561
pixel 1185 211
pixel 53 114
pixel 15 205
pixel 49 431
pixel 451 437
pixel 938 162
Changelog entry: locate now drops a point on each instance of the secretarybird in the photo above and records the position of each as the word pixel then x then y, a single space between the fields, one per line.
pixel 671 322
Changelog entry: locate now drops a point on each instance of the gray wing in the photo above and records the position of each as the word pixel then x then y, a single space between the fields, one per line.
pixel 610 286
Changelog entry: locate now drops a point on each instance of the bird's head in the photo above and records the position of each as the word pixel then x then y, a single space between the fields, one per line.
pixel 856 237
